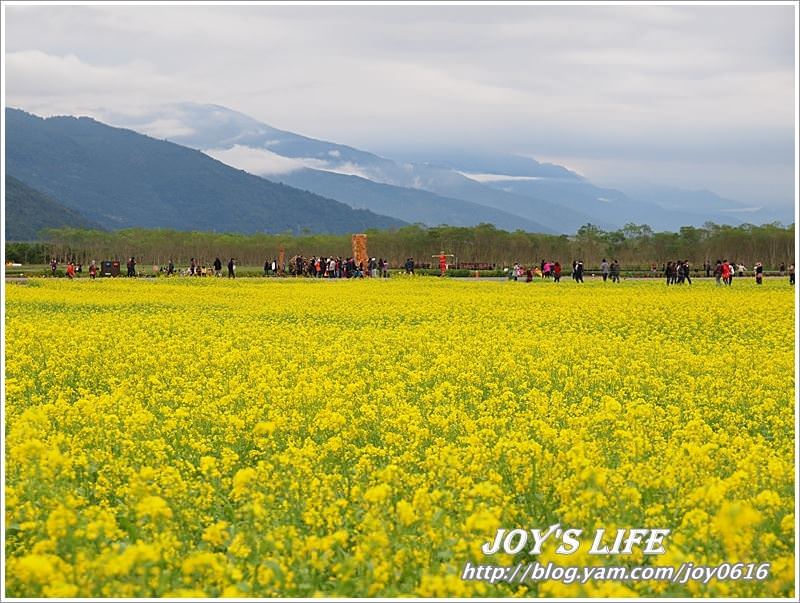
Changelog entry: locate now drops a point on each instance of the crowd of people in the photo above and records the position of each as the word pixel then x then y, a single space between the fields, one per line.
pixel 675 272
pixel 678 272
pixel 197 268
pixel 610 270
pixel 315 267
pixel 336 267
pixel 725 271
pixel 552 269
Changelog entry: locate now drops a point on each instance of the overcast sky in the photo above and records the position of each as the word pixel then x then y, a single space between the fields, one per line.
pixel 693 96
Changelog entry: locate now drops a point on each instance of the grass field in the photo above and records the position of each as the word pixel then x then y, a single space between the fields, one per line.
pixel 265 438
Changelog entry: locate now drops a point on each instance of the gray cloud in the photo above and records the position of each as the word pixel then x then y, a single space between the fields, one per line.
pixel 602 85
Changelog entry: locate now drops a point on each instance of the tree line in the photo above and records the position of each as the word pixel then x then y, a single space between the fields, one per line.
pixel 635 246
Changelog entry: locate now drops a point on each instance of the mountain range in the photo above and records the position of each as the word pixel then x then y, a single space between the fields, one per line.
pixel 119 178
pixel 551 195
pixel 205 167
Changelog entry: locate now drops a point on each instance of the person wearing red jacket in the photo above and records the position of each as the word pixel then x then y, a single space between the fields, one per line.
pixel 726 272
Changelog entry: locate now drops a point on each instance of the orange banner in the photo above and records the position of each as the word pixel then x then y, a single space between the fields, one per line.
pixel 360 249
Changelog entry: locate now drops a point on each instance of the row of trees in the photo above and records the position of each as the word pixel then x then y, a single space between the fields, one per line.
pixel 635 246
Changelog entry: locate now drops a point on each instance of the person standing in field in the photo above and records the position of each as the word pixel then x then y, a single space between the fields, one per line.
pixel 579 271
pixel 686 270
pixel 53 266
pixel 556 272
pixel 732 270
pixel 170 267
pixel 759 270
pixel 727 273
pixel 232 268
pixel 70 270
pixel 791 274
pixel 93 270
pixel 615 271
pixel 605 268
pixel 218 267
pixel 718 272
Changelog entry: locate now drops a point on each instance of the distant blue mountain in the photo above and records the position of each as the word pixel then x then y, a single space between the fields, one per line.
pixel 408 204
pixel 213 129
pixel 207 127
pixel 29 211
pixel 525 190
pixel 121 179
pixel 681 199
pixel 611 205
pixel 479 162
pixel 690 201
pixel 604 206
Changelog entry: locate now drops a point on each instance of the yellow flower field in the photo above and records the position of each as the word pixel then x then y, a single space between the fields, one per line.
pixel 270 438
